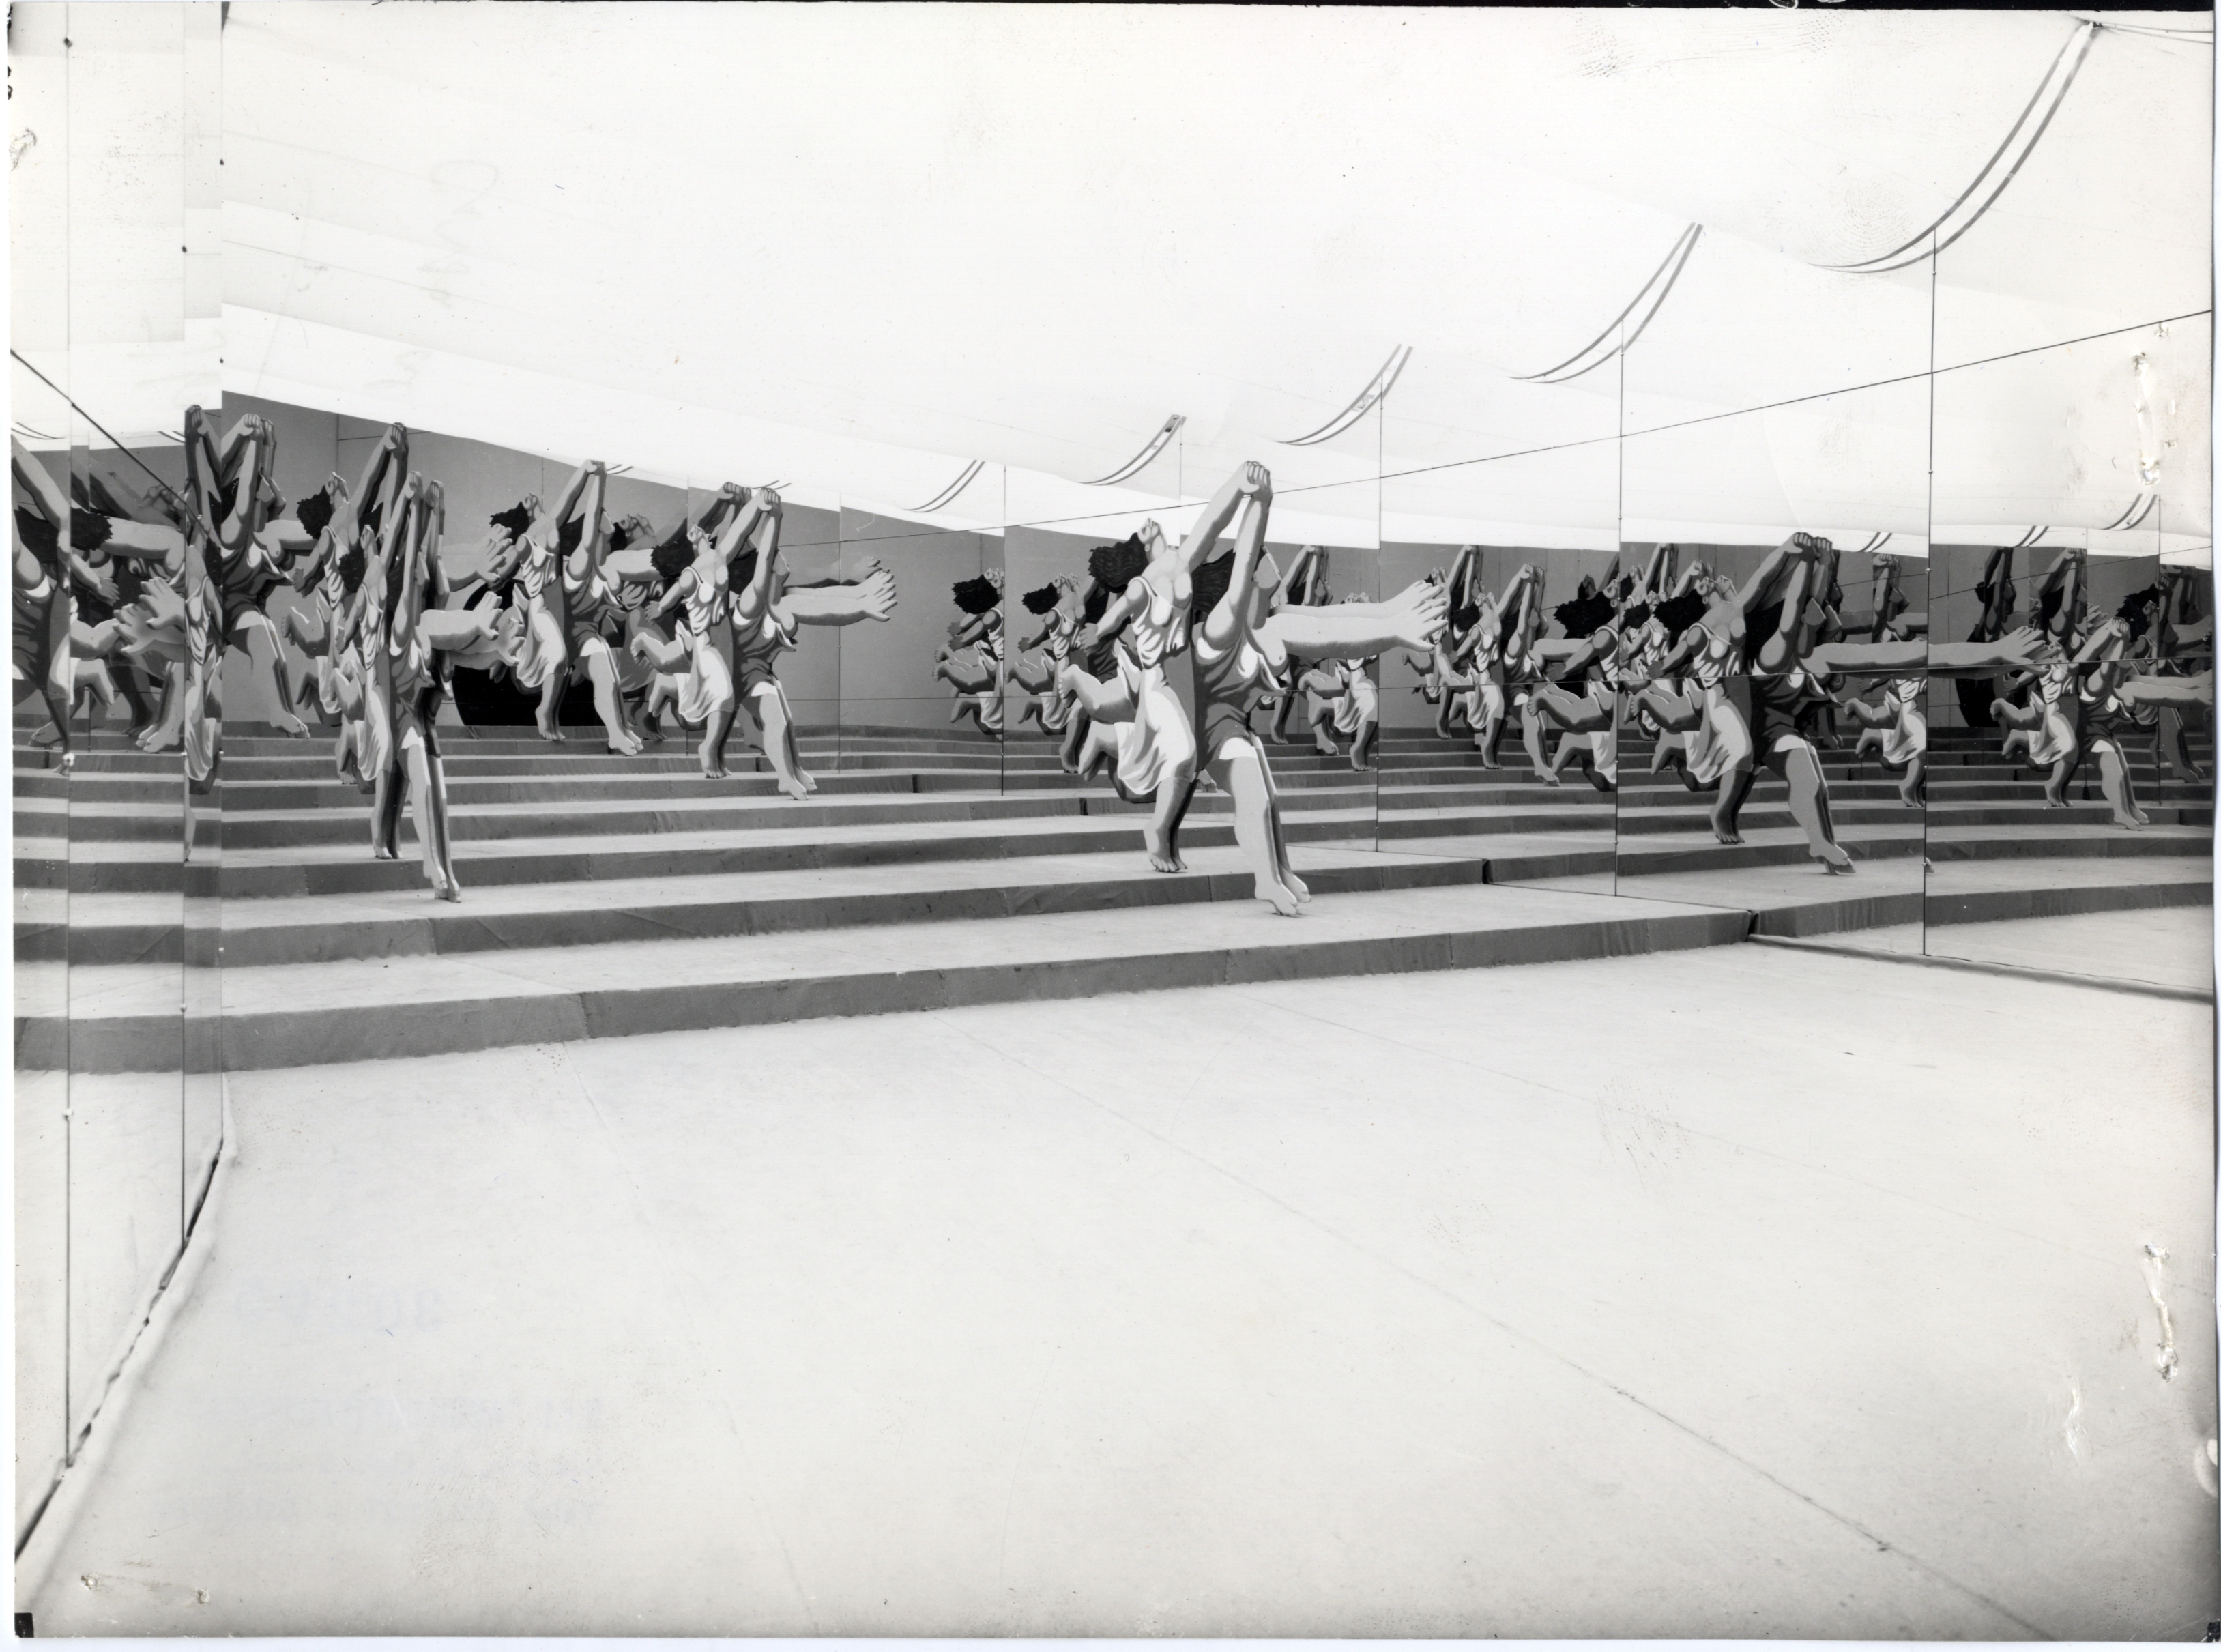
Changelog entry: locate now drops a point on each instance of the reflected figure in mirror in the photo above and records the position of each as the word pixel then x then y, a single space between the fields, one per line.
pixel 971 661
pixel 1042 657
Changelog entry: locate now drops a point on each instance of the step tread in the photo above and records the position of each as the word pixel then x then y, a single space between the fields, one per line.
pixel 101 991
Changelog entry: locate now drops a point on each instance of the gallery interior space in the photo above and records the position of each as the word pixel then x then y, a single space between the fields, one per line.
pixel 1115 821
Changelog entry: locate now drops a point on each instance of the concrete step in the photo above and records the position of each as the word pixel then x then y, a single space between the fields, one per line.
pixel 2033 814
pixel 117 928
pixel 1790 899
pixel 300 1014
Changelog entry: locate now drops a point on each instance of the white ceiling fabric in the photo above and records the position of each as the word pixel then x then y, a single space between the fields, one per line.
pixel 856 249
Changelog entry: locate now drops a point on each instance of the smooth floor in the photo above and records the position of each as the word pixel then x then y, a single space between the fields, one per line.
pixel 1739 1291
pixel 2168 946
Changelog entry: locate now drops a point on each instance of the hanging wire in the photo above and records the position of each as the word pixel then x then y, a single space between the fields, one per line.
pixel 2078 43
pixel 1140 462
pixel 98 426
pixel 948 496
pixel 1677 424
pixel 2158 31
pixel 1378 386
pixel 2134 516
pixel 1675 261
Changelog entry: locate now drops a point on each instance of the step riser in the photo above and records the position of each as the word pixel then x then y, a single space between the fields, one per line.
pixel 257 1042
pixel 462 794
pixel 1718 857
pixel 1994 906
pixel 2033 817
pixel 365 875
pixel 449 930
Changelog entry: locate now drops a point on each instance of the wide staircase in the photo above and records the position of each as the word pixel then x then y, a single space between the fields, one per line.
pixel 605 895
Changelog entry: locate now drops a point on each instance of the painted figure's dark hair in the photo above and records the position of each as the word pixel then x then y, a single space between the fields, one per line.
pixel 1042 599
pixel 1212 581
pixel 315 512
pixel 2136 609
pixel 517 519
pixel 1584 613
pixel 976 595
pixel 620 535
pixel 352 564
pixel 1464 619
pixel 1678 614
pixel 1636 615
pixel 89 531
pixel 1116 566
pixel 671 560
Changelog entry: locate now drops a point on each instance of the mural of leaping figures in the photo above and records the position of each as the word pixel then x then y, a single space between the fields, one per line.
pixel 972 662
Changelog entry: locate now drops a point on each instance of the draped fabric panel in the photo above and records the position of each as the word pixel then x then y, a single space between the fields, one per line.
pixel 862 249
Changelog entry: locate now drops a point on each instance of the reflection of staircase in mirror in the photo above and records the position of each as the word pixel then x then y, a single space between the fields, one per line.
pixel 606 896
pixel 1994 851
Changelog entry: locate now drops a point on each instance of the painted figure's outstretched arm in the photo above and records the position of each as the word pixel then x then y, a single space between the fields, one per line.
pixel 2168 690
pixel 408 603
pixel 2061 584
pixel 35 480
pixel 250 447
pixel 1224 623
pixel 1884 587
pixel 738 512
pixel 1411 619
pixel 1653 570
pixel 754 599
pixel 872 597
pixel 387 463
pixel 593 536
pixel 1195 549
pixel 1781 564
pixel 376 617
pixel 1997 576
pixel 2011 652
pixel 1465 576
pixel 1303 574
pixel 436 588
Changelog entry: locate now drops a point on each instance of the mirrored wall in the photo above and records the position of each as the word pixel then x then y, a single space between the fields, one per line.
pixel 1508 492
pixel 2070 776
pixel 117 1118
